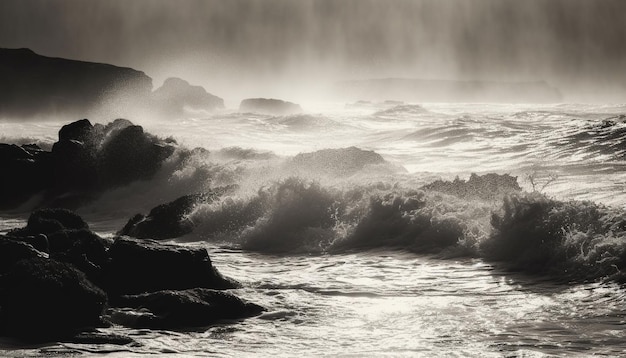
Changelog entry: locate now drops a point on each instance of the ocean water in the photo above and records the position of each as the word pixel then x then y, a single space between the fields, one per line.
pixel 354 256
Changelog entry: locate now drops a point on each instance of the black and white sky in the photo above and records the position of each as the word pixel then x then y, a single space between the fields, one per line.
pixel 281 47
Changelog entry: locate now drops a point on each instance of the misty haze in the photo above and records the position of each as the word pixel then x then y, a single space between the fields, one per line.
pixel 285 178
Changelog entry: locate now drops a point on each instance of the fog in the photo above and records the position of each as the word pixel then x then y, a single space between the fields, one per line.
pixel 295 49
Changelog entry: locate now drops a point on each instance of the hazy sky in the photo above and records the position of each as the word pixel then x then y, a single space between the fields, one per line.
pixel 283 47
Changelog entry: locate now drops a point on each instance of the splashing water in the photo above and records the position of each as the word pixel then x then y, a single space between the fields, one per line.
pixel 351 226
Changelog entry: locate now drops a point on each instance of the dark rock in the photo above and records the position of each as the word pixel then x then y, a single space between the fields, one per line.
pixel 46 300
pixel 165 221
pixel 84 162
pixel 74 167
pixel 48 221
pixel 178 309
pixel 39 241
pixel 131 155
pixel 96 337
pixel 35 86
pixel 80 130
pixel 82 248
pixel 177 96
pixel 138 266
pixel 269 106
pixel 23 174
pixel 13 250
pixel 67 238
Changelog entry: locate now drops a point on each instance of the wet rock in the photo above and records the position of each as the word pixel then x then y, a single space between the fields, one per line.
pixel 138 266
pixel 46 300
pixel 165 221
pixel 96 337
pixel 48 221
pixel 23 174
pixel 14 250
pixel 67 238
pixel 269 106
pixel 80 130
pixel 86 160
pixel 131 155
pixel 178 309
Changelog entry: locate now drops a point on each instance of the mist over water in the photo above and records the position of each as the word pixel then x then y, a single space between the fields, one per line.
pixel 297 49
pixel 391 226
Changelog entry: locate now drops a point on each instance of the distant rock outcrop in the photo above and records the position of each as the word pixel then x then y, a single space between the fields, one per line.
pixel 269 106
pixel 177 97
pixel 33 85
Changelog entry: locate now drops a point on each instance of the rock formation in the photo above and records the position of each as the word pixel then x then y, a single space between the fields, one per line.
pixel 269 106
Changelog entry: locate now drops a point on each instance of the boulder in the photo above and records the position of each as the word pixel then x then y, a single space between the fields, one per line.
pixel 269 106
pixel 138 266
pixel 131 155
pixel 46 300
pixel 167 309
pixel 25 172
pixel 86 160
pixel 14 250
pixel 177 97
pixel 48 221
pixel 67 238
pixel 80 130
pixel 165 221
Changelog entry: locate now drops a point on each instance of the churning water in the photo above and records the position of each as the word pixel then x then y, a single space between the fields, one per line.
pixel 353 255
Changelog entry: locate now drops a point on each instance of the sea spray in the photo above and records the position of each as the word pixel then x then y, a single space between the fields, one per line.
pixel 572 239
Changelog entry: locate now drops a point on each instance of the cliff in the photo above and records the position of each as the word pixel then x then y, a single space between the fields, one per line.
pixel 34 85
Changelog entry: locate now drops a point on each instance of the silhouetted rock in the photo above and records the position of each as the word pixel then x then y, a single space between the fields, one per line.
pixel 176 309
pixel 165 221
pixel 138 266
pixel 80 130
pixel 131 155
pixel 67 238
pixel 25 172
pixel 269 106
pixel 86 160
pixel 47 221
pixel 177 97
pixel 33 85
pixel 46 300
pixel 96 337
pixel 13 250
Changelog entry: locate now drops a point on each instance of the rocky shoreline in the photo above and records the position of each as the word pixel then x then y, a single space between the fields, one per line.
pixel 60 281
